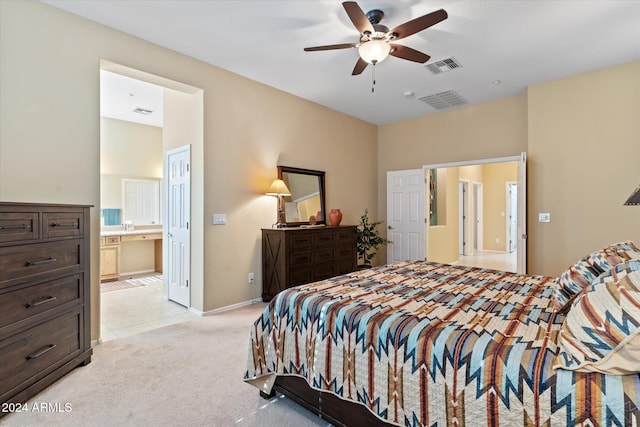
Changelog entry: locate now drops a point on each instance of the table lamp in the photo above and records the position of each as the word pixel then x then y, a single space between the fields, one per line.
pixel 634 198
pixel 279 189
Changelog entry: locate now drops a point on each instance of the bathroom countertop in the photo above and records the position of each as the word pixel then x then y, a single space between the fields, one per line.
pixel 130 233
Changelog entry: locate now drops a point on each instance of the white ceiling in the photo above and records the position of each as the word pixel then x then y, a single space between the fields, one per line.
pixel 518 43
pixel 121 97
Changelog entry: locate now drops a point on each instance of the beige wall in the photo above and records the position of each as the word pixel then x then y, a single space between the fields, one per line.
pixel 127 150
pixel 50 141
pixel 473 173
pixel 257 128
pixel 486 131
pixel 133 151
pixel 584 161
pixel 183 124
pixel 470 174
pixel 494 178
pixel 582 136
pixel 443 238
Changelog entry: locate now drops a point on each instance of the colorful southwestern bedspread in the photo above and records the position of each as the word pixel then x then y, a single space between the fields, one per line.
pixel 429 344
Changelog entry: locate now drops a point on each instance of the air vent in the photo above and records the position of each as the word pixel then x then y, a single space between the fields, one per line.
pixel 444 100
pixel 142 111
pixel 444 65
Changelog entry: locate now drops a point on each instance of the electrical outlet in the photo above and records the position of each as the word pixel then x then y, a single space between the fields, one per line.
pixel 497 240
pixel 251 278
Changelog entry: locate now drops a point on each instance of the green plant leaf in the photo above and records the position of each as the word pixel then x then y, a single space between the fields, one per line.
pixel 369 239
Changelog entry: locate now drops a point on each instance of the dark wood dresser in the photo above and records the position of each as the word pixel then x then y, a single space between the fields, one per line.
pixel 294 256
pixel 44 296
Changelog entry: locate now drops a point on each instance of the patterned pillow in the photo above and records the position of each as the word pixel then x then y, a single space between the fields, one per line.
pixel 582 273
pixel 601 333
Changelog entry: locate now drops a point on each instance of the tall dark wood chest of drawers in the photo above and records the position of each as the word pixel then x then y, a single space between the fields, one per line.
pixel 44 296
pixel 294 256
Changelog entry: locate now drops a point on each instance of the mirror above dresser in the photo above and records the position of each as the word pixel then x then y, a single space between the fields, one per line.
pixel 307 195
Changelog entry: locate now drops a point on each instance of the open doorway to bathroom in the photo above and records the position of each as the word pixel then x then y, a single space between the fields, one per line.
pixel 133 144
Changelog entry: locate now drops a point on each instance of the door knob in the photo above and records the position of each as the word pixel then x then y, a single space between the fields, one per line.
pixel 390 228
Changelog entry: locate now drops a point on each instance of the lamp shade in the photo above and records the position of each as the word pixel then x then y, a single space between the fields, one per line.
pixel 278 188
pixel 634 198
pixel 374 51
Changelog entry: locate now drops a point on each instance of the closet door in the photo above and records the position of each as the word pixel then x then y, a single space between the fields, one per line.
pixel 178 276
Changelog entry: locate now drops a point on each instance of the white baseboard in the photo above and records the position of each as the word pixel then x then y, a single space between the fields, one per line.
pixel 223 309
pixel 135 273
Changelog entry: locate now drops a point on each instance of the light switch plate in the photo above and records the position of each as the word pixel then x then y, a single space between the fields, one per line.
pixel 544 217
pixel 219 219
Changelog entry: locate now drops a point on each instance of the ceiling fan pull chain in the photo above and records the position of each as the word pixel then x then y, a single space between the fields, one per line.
pixel 373 78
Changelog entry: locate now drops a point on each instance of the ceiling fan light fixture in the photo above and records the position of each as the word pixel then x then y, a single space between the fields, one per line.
pixel 374 51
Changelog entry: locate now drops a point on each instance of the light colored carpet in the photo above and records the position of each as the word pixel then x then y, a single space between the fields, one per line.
pixel 188 374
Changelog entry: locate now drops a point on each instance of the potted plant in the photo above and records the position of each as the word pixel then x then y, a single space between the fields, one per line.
pixel 369 239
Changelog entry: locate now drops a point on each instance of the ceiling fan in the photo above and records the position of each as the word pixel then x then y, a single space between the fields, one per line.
pixel 376 40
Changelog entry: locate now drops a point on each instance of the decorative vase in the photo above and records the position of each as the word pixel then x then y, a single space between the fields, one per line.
pixel 335 216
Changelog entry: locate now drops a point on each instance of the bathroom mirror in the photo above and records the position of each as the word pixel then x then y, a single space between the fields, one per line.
pixel 307 195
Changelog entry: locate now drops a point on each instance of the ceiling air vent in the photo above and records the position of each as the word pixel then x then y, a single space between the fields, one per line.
pixel 443 66
pixel 444 100
pixel 142 111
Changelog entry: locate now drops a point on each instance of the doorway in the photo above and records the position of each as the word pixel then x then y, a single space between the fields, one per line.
pixel 134 153
pixel 478 214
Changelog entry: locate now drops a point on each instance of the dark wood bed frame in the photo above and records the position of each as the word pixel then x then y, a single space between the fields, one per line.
pixel 338 412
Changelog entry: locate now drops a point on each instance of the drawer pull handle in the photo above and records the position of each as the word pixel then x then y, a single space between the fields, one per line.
pixel 35 304
pixel 41 352
pixel 57 224
pixel 44 261
pixel 15 227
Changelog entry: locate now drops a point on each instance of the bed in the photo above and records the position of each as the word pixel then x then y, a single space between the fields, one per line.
pixel 430 344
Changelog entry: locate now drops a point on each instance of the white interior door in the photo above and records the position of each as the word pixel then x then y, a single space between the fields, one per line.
pixel 522 214
pixel 406 215
pixel 177 276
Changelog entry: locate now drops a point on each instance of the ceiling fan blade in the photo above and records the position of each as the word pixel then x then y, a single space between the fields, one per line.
pixel 408 53
pixel 330 47
pixel 358 17
pixel 360 66
pixel 418 24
